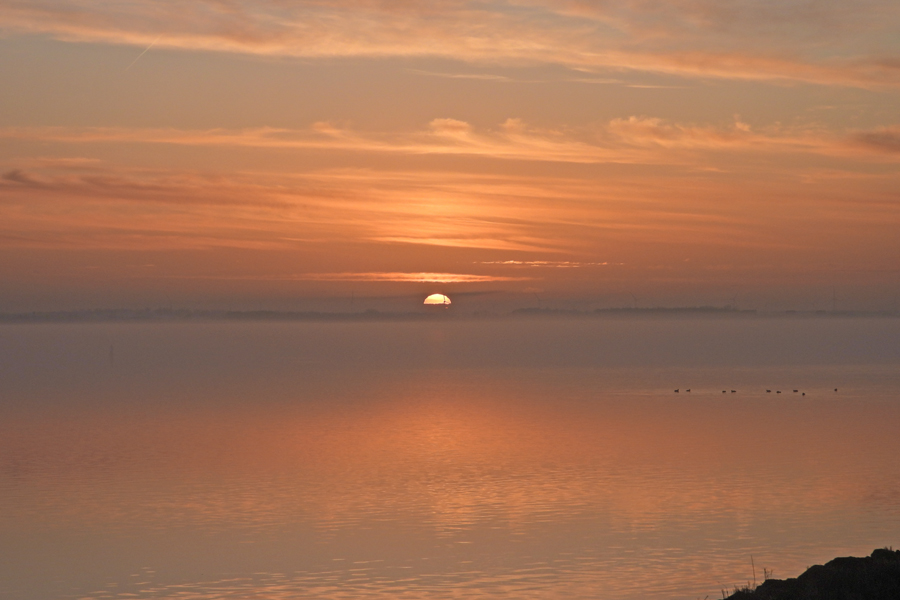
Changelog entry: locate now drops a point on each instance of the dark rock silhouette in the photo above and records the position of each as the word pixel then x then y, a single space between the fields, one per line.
pixel 875 577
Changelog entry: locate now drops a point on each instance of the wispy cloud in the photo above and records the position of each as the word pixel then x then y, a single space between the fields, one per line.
pixel 475 76
pixel 522 245
pixel 632 140
pixel 554 264
pixel 410 277
pixel 395 277
pixel 43 206
pixel 884 139
pixel 506 79
pixel 548 216
pixel 731 39
pixel 329 226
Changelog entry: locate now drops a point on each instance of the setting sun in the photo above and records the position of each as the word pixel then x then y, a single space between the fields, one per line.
pixel 437 300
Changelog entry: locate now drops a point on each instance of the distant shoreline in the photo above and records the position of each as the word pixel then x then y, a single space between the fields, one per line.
pixel 157 315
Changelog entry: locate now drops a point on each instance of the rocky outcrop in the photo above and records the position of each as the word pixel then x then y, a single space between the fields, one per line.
pixel 875 577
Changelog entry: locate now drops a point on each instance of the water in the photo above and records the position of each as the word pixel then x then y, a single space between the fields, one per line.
pixel 481 459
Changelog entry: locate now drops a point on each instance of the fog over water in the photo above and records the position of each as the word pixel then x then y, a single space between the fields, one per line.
pixel 542 458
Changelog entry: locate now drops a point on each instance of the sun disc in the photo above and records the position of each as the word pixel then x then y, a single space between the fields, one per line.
pixel 437 300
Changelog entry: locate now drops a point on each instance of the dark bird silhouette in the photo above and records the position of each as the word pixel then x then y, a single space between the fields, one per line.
pixel 676 391
pixel 768 391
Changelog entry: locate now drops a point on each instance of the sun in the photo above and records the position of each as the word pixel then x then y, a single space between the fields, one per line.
pixel 437 300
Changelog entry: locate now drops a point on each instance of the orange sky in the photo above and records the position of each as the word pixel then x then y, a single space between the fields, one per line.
pixel 593 153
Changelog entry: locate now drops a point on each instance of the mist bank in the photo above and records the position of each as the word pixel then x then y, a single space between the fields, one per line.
pixel 428 314
pixel 262 352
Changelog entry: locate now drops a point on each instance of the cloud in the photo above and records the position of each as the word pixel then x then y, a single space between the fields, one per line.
pixel 116 184
pixel 475 76
pixel 54 207
pixel 397 277
pixel 18 177
pixel 884 139
pixel 561 225
pixel 533 245
pixel 555 264
pixel 409 277
pixel 450 128
pixel 731 39
pixel 766 19
pixel 579 193
pixel 631 140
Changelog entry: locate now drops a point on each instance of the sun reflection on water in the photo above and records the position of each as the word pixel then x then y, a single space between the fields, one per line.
pixel 438 484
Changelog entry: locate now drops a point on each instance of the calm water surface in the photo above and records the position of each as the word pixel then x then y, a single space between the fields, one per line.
pixel 496 459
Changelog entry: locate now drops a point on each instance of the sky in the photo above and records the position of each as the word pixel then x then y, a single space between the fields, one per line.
pixel 349 154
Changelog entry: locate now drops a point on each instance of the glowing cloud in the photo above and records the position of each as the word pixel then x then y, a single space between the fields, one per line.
pixel 731 39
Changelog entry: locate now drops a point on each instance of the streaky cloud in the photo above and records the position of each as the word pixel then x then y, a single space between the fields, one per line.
pixel 726 39
pixel 631 140
pixel 394 277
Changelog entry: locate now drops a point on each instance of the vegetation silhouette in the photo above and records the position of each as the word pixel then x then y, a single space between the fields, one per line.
pixel 875 577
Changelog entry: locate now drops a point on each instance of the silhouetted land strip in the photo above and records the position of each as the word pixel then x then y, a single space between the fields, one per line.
pixel 166 314
pixel 180 315
pixel 684 310
pixel 875 577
